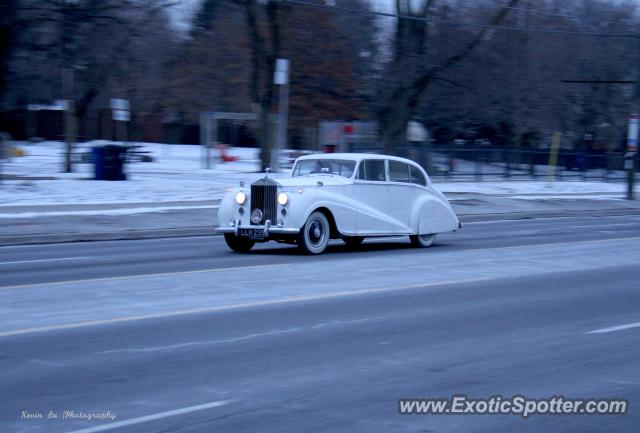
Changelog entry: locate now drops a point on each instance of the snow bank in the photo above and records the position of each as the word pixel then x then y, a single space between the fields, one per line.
pixel 176 175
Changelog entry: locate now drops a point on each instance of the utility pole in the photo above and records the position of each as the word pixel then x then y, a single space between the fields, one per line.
pixel 281 78
pixel 68 85
pixel 69 117
pixel 630 155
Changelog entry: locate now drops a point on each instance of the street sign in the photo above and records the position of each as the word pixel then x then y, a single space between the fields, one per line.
pixel 281 74
pixel 632 134
pixel 121 115
pixel 120 110
pixel 120 104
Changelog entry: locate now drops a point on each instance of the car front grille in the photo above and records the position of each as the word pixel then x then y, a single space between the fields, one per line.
pixel 264 195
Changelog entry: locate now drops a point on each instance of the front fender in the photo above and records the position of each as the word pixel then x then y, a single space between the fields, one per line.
pixel 341 207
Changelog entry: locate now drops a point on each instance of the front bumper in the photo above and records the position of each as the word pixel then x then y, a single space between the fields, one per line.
pixel 267 229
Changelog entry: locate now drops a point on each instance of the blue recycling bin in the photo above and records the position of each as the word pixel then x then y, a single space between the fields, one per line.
pixel 108 162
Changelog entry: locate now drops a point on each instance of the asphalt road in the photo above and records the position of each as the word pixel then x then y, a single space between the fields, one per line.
pixel 183 335
pixel 83 260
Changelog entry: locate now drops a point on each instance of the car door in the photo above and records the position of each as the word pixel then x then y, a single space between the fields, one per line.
pixel 371 197
pixel 402 194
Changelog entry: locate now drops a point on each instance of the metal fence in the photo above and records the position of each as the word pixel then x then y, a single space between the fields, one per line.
pixel 530 164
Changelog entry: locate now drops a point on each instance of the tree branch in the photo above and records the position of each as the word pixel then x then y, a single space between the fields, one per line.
pixel 420 84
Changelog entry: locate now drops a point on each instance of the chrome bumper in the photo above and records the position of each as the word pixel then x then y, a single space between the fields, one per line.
pixel 268 229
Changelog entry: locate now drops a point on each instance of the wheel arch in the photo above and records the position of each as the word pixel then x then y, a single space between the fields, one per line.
pixel 334 233
pixel 433 215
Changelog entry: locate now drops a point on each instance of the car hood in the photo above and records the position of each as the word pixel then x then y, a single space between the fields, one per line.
pixel 307 181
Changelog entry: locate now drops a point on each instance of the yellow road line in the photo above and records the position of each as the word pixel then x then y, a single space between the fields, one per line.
pixel 294 299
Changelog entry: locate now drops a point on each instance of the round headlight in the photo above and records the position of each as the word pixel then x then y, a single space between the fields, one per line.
pixel 283 199
pixel 241 197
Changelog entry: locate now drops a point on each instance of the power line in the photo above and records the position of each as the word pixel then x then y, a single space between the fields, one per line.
pixel 461 23
pixel 598 82
pixel 531 11
pixel 552 14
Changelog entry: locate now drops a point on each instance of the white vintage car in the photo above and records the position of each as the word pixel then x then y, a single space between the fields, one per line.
pixel 341 195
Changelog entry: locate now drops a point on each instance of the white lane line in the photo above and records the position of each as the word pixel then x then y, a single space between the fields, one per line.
pixel 605 225
pixel 615 328
pixel 45 260
pixel 202 343
pixel 219 308
pixel 238 339
pixel 153 417
pixel 138 276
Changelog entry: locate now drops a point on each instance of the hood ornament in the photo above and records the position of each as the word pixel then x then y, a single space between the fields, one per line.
pixel 267 171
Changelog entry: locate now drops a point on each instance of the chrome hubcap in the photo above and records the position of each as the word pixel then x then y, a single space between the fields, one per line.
pixel 316 232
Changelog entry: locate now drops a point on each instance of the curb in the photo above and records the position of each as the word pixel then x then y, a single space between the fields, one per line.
pixel 54 238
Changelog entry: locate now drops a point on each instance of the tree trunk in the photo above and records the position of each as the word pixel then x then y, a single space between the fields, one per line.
pixel 265 51
pixel 7 13
pixel 264 136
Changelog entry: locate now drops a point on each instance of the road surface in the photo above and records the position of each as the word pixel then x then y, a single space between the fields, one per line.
pixel 183 335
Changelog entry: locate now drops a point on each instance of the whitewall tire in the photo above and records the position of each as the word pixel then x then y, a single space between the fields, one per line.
pixel 314 235
pixel 423 241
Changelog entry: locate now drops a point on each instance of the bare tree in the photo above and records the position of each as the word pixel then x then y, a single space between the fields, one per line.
pixel 70 35
pixel 411 71
pixel 265 46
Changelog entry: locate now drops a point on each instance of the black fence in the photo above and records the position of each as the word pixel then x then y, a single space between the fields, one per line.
pixel 491 163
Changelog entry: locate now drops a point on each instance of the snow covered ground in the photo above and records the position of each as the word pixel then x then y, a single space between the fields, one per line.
pixel 176 175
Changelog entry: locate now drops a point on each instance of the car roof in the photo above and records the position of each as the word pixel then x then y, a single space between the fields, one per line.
pixel 355 157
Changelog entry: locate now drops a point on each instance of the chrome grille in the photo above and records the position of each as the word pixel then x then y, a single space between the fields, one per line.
pixel 264 196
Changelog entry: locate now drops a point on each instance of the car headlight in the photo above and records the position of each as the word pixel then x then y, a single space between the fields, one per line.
pixel 241 198
pixel 283 198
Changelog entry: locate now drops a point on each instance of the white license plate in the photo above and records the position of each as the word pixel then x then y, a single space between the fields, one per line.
pixel 255 234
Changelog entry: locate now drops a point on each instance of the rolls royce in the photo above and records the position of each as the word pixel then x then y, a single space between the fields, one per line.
pixel 339 195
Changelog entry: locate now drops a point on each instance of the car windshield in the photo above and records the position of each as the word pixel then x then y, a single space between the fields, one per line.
pixel 341 167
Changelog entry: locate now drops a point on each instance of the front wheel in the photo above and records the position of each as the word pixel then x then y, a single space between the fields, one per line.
pixel 422 241
pixel 314 235
pixel 238 244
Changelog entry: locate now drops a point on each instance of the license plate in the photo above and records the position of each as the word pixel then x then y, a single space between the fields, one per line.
pixel 255 234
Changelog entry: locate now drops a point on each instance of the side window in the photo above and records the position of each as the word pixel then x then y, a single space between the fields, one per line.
pixel 416 176
pixel 374 170
pixel 398 172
